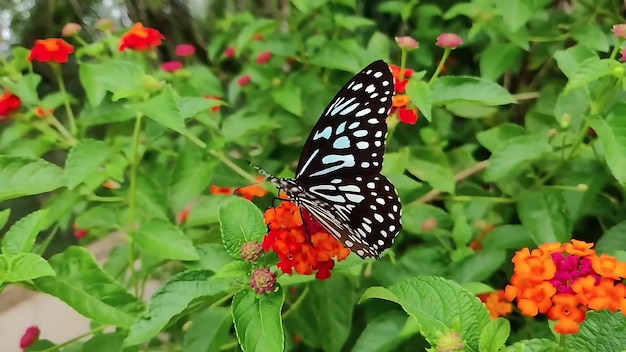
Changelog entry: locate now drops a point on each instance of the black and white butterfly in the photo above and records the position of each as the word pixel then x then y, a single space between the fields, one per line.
pixel 338 178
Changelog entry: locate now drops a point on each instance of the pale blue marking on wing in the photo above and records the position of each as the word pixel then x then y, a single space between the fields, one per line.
pixel 325 133
pixel 341 106
pixel 340 128
pixel 344 160
pixel 342 143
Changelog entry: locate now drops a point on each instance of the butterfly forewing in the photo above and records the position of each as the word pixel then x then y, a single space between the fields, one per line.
pixel 349 137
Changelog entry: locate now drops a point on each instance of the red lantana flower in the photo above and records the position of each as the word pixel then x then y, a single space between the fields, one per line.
pixel 9 104
pixel 407 112
pixel 51 50
pixel 264 57
pixel 244 80
pixel 213 97
pixel 171 66
pixel 140 38
pixel 302 244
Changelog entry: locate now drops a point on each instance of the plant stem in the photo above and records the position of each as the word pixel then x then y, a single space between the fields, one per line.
pixel 490 199
pixel 233 166
pixel 97 198
pixel 68 342
pixel 66 99
pixel 132 200
pixel 296 304
pixel 442 62
pixel 562 340
pixel 402 65
pixel 62 130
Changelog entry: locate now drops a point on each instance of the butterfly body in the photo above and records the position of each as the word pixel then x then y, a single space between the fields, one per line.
pixel 338 178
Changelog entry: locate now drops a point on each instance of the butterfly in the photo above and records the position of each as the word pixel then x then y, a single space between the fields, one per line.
pixel 338 178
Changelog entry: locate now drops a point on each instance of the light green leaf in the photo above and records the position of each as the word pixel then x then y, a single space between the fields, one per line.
pixel 25 88
pixel 381 334
pixel 105 343
pixel 612 134
pixel 163 109
pixel 22 235
pixel 588 71
pixel 213 257
pixel 601 331
pixel 240 222
pixel 431 165
pixel 84 160
pixel 289 97
pixel 521 150
pixel 497 137
pixel 591 35
pixel 515 13
pixel 237 268
pixel 192 106
pixel 534 345
pixel 208 331
pixel 23 267
pixel 498 58
pixel 494 335
pixel 258 324
pixel 306 6
pixel 438 305
pixel 165 240
pixel 4 217
pixel 21 177
pixel 508 237
pixel 191 175
pixel 569 59
pixel 113 76
pixel 246 33
pixel 335 56
pixel 206 211
pixel 450 89
pixel 419 92
pixel 84 286
pixel 351 23
pixel 542 213
pixel 151 198
pixel 479 266
pixel 104 216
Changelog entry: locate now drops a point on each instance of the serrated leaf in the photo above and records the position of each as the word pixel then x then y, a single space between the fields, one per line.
pixel 163 109
pixel 172 299
pixel 519 151
pixel 438 305
pixel 84 160
pixel 612 240
pixel 419 92
pixel 494 335
pixel 21 236
pixel 208 331
pixel 534 345
pixel 23 267
pixel 83 285
pixel 113 76
pixel 450 89
pixel 104 216
pixel 21 177
pixel 240 222
pixel 431 165
pixel 165 240
pixel 601 331
pixel 542 213
pixel 289 98
pixel 611 133
pixel 258 324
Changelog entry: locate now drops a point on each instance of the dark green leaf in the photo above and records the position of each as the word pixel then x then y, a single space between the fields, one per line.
pixel 208 330
pixel 84 160
pixel 508 237
pixel 21 177
pixel 258 324
pixel 543 214
pixel 612 133
pixel 381 334
pixel 612 240
pixel 479 266
pixel 497 137
pixel 431 165
pixel 165 240
pixel 498 58
pixel 450 89
pixel 518 151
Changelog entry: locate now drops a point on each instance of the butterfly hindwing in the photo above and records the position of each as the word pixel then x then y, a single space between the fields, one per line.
pixel 350 136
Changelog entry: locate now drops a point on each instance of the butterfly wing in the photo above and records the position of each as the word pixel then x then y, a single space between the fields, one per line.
pixel 363 212
pixel 349 138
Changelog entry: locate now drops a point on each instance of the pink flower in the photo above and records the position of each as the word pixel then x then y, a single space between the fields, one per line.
pixel 171 66
pixel 449 40
pixel 244 80
pixel 264 57
pixel 30 336
pixel 623 52
pixel 229 52
pixel 619 30
pixel 183 50
pixel 407 43
pixel 257 37
pixel 70 29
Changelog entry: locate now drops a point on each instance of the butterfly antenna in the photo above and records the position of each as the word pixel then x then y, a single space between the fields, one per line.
pixel 251 184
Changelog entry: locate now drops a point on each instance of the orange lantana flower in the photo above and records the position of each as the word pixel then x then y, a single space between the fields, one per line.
pixel 140 38
pixel 248 192
pixel 496 303
pixel 407 112
pixel 51 50
pixel 302 244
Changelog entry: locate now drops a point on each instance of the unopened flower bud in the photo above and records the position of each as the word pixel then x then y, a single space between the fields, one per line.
pixel 251 251
pixel 449 40
pixel 582 187
pixel 407 43
pixel 71 29
pixel 450 342
pixel 263 280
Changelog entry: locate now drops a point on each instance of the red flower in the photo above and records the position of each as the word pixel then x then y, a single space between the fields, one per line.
pixel 171 66
pixel 288 237
pixel 9 104
pixel 140 38
pixel 402 105
pixel 43 113
pixel 80 233
pixel 213 97
pixel 183 50
pixel 244 80
pixel 229 52
pixel 408 116
pixel 30 336
pixel 264 57
pixel 51 50
pixel 182 216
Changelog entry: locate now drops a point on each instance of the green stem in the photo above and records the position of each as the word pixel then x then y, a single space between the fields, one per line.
pixel 442 63
pixel 490 199
pixel 233 166
pixel 229 345
pixel 66 99
pixel 562 340
pixel 402 65
pixel 62 130
pixel 132 200
pixel 69 342
pixel 97 198
pixel 296 304
pixel 617 48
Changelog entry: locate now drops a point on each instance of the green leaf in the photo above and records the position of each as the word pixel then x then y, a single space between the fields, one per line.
pixel 240 222
pixel 213 257
pixel 21 177
pixel 450 89
pixel 25 88
pixel 23 267
pixel 151 198
pixel 325 323
pixel 105 343
pixel 4 217
pixel 163 109
pixel 172 299
pixel 192 106
pixel 601 331
pixel 113 76
pixel 534 345
pixel 289 97
pixel 569 59
pixel 497 137
pixel 381 334
pixel 508 237
pixel 498 58
pixel 258 324
pixel 245 34
pixel 479 266
pixel 84 160
pixel 351 23
pixel 306 6
pixel 83 285
pixel 203 81
pixel 165 240
pixel 519 151
pixel 22 235
pixel 208 331
pixel 237 268
pixel 591 35
pixel 611 133
pixel 191 175
pixel 419 92
pixel 612 240
pixel 542 213
pixel 494 335
pixel 206 211
pixel 104 216
pixel 335 56
pixel 431 165
pixel 515 13
pixel 438 305
pixel 414 214
pixel 588 71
